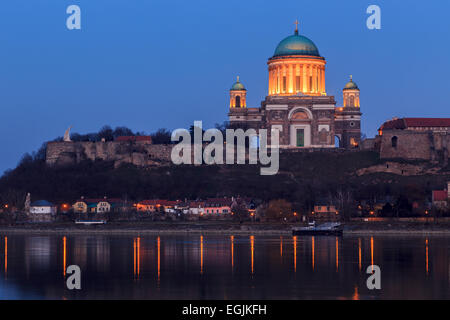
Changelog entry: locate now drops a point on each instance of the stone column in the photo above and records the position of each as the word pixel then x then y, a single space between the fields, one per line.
pixel 323 79
pixel 291 79
pixel 305 82
pixel 270 79
pixel 315 79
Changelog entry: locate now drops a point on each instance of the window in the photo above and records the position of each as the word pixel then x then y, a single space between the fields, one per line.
pixel 352 101
pixel 238 101
pixel 299 115
pixel 284 83
pixel 394 142
pixel 310 83
pixel 353 143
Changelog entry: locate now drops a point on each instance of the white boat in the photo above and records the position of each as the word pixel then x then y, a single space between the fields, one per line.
pixel 90 222
pixel 327 228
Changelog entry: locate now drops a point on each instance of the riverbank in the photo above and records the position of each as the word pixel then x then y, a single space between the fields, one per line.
pixel 227 228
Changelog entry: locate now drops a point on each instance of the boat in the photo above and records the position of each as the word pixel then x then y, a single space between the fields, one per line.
pixel 324 229
pixel 90 222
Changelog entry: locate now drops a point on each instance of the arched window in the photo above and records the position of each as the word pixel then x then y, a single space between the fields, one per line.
pixel 394 142
pixel 337 141
pixel 352 101
pixel 299 115
pixel 238 101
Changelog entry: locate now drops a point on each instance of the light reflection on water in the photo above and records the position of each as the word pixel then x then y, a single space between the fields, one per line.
pixel 223 267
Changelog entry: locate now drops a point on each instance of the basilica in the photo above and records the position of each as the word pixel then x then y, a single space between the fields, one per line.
pixel 297 104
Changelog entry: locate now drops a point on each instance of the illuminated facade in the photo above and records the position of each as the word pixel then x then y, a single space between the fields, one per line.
pixel 297 105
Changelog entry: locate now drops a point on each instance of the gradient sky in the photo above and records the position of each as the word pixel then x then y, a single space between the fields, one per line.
pixel 148 64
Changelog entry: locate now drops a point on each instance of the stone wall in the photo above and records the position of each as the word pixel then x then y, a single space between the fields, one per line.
pixel 414 145
pixel 137 153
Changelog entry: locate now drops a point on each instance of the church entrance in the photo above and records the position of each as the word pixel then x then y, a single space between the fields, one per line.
pixel 300 138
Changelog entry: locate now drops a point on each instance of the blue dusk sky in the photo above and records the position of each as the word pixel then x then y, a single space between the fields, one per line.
pixel 149 64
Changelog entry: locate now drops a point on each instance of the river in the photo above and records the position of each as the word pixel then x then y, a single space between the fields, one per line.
pixel 223 267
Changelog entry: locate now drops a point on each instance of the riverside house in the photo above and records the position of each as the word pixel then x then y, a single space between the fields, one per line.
pixel 441 198
pixel 157 206
pixel 325 209
pixel 218 206
pixel 104 205
pixel 197 207
pixel 42 211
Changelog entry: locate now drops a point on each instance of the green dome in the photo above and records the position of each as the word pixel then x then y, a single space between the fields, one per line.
pixel 296 45
pixel 237 85
pixel 351 85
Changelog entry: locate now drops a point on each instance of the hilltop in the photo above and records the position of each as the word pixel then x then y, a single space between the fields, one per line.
pixel 303 178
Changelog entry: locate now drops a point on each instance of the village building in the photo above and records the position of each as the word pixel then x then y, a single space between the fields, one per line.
pixel 157 206
pixel 218 206
pixel 104 205
pixel 182 207
pixel 297 105
pixel 441 198
pixel 42 211
pixel 197 207
pixel 325 209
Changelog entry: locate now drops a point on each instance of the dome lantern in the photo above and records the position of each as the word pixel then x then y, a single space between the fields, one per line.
pixel 238 95
pixel 351 85
pixel 351 94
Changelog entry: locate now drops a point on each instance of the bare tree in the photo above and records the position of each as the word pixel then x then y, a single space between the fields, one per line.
pixel 345 204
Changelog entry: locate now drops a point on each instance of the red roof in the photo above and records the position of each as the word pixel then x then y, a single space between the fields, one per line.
pixel 100 200
pixel 440 195
pixel 405 123
pixel 196 204
pixel 158 202
pixel 135 138
pixel 215 202
pixel 427 122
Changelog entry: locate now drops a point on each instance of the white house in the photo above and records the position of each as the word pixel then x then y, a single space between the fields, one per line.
pixel 42 211
pixel 197 207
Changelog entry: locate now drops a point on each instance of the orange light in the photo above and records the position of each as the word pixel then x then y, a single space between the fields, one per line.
pixel 426 211
pixel 371 212
pixel 6 206
pixel 312 213
pixel 337 212
pixel 295 213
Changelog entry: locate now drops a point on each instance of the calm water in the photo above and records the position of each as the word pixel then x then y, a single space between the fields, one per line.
pixel 223 267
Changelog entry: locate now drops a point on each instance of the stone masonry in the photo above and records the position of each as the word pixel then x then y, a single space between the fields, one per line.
pixel 137 153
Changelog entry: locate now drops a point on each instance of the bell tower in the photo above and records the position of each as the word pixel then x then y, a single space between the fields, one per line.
pixel 351 94
pixel 348 118
pixel 238 95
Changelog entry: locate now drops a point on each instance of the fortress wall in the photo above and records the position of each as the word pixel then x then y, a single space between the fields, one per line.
pixel 415 145
pixel 137 153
